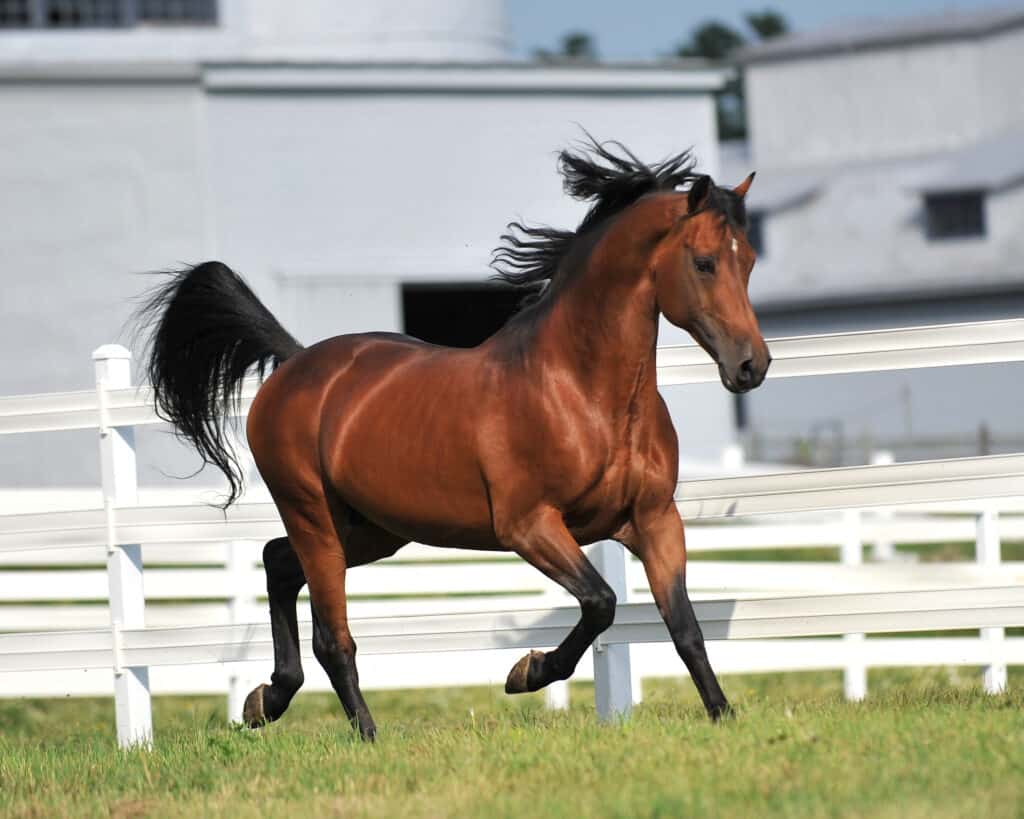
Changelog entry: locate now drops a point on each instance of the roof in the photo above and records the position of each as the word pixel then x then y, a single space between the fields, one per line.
pixel 648 77
pixel 661 77
pixel 770 191
pixel 861 35
pixel 990 165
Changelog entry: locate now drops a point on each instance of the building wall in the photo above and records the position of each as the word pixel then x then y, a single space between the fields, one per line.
pixel 1001 62
pixel 880 103
pixel 331 201
pixel 864 233
pixel 326 201
pixel 101 182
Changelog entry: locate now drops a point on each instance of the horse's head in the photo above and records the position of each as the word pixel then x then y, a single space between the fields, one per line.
pixel 702 268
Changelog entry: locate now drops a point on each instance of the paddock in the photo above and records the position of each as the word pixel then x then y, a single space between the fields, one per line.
pixel 192 621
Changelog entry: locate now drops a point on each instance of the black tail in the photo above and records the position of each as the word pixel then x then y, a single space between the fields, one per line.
pixel 207 330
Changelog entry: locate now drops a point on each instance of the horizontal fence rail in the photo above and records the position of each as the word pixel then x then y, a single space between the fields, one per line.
pixel 519 629
pixel 986 342
pixel 946 345
pixel 993 476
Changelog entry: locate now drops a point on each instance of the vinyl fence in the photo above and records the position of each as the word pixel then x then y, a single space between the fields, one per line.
pixel 212 631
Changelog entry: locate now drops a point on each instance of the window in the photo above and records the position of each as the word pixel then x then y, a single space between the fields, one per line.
pixel 105 13
pixel 955 215
pixel 457 315
pixel 755 231
pixel 14 13
pixel 179 11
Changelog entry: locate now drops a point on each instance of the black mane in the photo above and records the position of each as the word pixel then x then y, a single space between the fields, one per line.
pixel 611 176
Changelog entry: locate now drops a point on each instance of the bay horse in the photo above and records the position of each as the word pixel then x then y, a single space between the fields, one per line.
pixel 549 435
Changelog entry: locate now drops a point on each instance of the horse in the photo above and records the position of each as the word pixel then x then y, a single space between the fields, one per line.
pixel 548 436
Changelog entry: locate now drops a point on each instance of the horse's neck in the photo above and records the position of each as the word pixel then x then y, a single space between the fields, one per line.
pixel 603 328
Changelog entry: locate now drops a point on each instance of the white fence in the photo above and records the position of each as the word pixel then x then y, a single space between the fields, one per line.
pixel 202 637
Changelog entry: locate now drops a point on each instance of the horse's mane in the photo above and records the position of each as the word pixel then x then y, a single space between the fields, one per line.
pixel 605 173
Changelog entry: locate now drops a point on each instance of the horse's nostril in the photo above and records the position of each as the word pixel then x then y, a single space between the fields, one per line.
pixel 745 373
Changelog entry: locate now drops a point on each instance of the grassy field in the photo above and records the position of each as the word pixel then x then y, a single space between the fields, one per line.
pixel 926 744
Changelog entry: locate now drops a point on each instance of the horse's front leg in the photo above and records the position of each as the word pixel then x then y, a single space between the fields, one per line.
pixel 546 543
pixel 659 542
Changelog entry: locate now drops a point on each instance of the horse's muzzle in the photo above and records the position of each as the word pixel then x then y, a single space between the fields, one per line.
pixel 746 373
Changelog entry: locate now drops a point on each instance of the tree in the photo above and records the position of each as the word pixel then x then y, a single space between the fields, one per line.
pixel 712 41
pixel 575 45
pixel 579 45
pixel 767 24
pixel 718 41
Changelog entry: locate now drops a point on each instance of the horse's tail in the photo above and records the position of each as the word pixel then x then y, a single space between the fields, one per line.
pixel 207 330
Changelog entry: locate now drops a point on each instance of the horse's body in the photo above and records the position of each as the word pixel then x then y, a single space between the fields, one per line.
pixel 549 435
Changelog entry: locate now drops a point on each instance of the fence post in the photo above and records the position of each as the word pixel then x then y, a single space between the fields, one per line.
pixel 241 607
pixel 556 695
pixel 851 553
pixel 882 548
pixel 612 677
pixel 132 703
pixel 988 552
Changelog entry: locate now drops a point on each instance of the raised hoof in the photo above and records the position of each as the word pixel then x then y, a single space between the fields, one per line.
pixel 252 712
pixel 518 677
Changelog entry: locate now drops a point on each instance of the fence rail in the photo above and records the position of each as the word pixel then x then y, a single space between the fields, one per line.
pixel 987 596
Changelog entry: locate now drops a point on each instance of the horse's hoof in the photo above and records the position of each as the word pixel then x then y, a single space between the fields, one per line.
pixel 252 712
pixel 518 677
pixel 721 712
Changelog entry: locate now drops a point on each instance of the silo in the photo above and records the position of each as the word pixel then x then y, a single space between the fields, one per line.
pixel 375 30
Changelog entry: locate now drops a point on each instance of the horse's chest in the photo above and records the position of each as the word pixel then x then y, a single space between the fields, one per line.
pixel 605 505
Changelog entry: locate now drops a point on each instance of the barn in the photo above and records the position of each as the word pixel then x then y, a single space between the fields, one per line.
pixel 356 161
pixel 890 193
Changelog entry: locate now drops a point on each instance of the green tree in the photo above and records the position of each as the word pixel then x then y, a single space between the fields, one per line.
pixel 712 41
pixel 719 42
pixel 575 45
pixel 767 24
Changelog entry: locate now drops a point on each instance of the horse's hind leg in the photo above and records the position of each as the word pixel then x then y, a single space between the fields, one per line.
pixel 285 580
pixel 549 546
pixel 314 537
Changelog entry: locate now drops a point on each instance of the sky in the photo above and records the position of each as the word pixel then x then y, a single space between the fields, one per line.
pixel 644 29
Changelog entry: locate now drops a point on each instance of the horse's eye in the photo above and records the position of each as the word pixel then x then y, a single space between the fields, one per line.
pixel 705 265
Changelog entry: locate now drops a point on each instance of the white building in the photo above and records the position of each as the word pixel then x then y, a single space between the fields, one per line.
pixel 890 192
pixel 356 160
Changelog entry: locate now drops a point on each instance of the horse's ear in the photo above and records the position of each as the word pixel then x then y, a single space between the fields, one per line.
pixel 741 189
pixel 698 192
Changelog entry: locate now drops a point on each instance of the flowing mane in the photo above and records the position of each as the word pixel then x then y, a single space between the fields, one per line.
pixel 613 178
pixel 606 173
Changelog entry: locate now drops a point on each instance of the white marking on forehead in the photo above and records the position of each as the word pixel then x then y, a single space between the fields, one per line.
pixel 735 245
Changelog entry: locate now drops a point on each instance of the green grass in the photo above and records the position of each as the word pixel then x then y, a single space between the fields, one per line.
pixel 926 744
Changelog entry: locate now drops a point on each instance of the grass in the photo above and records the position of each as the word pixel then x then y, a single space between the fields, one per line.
pixel 927 743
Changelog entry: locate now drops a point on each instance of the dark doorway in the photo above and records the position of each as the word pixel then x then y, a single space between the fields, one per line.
pixel 457 315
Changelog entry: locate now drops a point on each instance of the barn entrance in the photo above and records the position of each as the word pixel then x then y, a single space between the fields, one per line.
pixel 457 315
